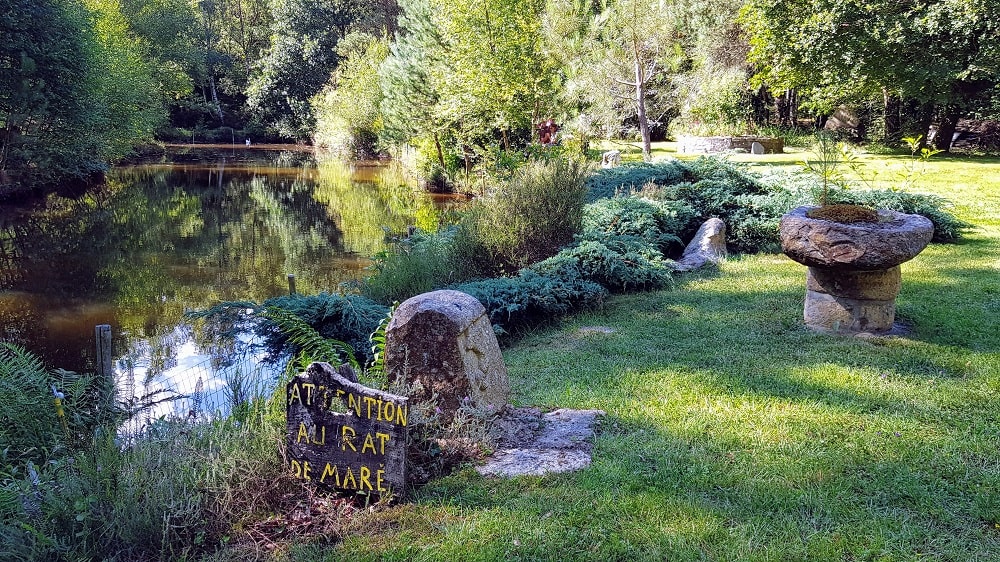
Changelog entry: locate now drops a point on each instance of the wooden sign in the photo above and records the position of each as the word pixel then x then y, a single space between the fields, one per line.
pixel 345 435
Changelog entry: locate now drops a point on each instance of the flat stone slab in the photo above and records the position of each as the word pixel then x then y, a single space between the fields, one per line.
pixel 563 444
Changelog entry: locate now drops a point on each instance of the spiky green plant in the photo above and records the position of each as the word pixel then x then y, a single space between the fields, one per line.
pixel 311 345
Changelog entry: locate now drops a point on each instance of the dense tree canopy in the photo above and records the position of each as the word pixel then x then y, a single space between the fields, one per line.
pixel 75 91
pixel 83 81
pixel 939 52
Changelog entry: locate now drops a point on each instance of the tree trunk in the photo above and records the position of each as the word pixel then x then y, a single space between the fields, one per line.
pixel 215 99
pixel 892 132
pixel 946 130
pixel 640 104
pixel 793 108
pixel 924 127
pixel 440 153
pixel 781 109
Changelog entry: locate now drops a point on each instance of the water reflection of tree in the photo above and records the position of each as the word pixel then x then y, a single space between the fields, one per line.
pixel 157 241
pixel 368 211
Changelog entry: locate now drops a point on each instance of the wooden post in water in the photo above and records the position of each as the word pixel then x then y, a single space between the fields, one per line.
pixel 105 365
pixel 291 284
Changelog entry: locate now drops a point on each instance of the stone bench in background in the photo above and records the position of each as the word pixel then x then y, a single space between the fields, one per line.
pixel 714 145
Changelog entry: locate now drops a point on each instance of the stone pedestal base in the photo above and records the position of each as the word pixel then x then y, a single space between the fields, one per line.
pixel 851 301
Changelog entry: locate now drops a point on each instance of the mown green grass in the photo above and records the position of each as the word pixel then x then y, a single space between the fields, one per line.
pixel 734 433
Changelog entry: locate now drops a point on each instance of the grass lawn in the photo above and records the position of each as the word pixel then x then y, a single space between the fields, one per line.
pixel 734 433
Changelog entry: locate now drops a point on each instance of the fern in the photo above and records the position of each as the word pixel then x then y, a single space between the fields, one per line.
pixel 376 367
pixel 311 345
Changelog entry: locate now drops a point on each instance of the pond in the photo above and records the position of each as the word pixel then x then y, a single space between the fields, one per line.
pixel 204 225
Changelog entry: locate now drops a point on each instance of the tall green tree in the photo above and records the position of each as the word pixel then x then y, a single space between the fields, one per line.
pixel 632 53
pixel 302 55
pixel 412 80
pixel 498 77
pixel 348 116
pixel 469 74
pixel 44 62
pixel 939 53
pixel 126 93
pixel 75 92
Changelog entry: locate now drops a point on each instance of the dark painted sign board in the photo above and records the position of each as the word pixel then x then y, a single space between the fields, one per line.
pixel 344 435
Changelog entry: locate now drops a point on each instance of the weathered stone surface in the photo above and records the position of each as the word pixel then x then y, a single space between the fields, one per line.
pixel 709 145
pixel 830 313
pixel 707 246
pixel 564 444
pixel 756 148
pixel 863 246
pixel 876 285
pixel 444 341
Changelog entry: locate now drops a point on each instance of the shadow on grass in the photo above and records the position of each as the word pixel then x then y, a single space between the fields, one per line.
pixel 734 433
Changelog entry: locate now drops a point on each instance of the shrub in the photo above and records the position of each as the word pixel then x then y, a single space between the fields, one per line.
pixel 657 223
pixel 420 263
pixel 528 219
pixel 947 227
pixel 532 299
pixel 619 263
pixel 631 177
pixel 347 318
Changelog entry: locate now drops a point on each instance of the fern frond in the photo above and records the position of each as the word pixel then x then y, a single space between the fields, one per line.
pixel 311 344
pixel 376 368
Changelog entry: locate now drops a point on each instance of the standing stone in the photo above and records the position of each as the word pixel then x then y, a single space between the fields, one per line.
pixel 707 246
pixel 444 341
pixel 756 148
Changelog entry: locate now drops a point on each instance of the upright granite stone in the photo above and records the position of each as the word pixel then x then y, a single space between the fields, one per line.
pixel 444 341
pixel 707 246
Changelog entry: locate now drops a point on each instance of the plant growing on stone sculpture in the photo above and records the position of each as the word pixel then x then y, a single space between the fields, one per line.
pixel 829 158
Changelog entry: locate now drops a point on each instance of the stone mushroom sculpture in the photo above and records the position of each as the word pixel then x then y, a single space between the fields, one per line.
pixel 853 276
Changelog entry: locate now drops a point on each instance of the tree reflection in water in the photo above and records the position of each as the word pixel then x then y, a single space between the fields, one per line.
pixel 165 238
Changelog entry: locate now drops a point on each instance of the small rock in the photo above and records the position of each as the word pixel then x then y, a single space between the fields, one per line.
pixel 707 246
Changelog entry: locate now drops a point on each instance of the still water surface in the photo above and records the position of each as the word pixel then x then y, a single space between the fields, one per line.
pixel 208 225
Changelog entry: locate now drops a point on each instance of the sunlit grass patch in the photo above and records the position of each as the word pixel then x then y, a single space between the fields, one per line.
pixel 735 433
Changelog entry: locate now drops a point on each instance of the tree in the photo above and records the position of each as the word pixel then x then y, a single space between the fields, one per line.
pixel 348 117
pixel 127 102
pixel 302 55
pixel 498 77
pixel 937 53
pixel 472 72
pixel 43 101
pixel 75 92
pixel 411 79
pixel 635 51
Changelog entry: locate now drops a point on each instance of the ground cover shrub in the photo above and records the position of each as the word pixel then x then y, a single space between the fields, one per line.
pixel 346 318
pixel 532 299
pixel 631 177
pixel 617 263
pixel 750 205
pixel 657 223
